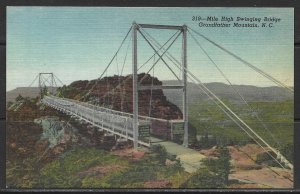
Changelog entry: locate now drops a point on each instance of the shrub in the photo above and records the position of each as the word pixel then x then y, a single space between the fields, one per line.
pixel 204 178
pixel 214 174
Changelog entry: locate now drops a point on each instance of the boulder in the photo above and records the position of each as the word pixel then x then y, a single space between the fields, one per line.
pixel 116 91
pixel 41 145
pixel 58 150
pixel 264 156
pixel 157 184
pixel 169 162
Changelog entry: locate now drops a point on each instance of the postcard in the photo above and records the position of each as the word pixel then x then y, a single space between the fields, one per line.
pixel 149 97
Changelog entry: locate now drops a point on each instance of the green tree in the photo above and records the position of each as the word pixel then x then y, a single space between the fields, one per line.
pixel 20 97
pixel 160 152
pixel 224 161
pixel 203 178
pixel 288 150
pixel 44 91
pixel 9 103
pixel 213 174
pixel 220 167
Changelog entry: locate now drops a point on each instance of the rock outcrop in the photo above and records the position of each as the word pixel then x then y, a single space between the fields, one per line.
pixel 116 93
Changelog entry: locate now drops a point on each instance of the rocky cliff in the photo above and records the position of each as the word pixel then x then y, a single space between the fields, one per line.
pixel 116 93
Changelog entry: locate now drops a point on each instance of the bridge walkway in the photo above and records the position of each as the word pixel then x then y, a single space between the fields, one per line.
pixel 189 158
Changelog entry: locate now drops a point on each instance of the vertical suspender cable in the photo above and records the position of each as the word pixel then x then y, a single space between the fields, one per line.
pixel 236 91
pixel 246 63
pixel 240 120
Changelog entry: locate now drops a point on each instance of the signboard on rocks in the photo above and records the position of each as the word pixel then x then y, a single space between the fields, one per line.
pixel 144 130
pixel 178 128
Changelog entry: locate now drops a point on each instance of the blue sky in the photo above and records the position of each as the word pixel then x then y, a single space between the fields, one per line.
pixel 76 43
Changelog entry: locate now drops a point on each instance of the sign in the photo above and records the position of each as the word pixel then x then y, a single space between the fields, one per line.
pixel 144 130
pixel 178 128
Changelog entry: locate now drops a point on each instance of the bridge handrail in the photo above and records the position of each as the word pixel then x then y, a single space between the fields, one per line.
pixel 111 110
pixel 116 122
pixel 115 128
pixel 83 105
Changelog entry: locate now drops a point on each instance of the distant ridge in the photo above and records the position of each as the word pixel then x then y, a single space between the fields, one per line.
pixel 31 92
pixel 250 93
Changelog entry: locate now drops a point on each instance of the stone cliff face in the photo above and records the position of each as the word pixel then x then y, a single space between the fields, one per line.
pixel 116 92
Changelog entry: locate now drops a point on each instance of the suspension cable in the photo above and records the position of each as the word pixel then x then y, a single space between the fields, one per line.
pixel 114 96
pixel 123 88
pixel 55 82
pixel 33 80
pixel 115 54
pixel 160 56
pixel 108 63
pixel 125 56
pixel 231 117
pixel 246 63
pixel 240 120
pixel 129 76
pixel 160 59
pixel 176 63
pixel 235 90
pixel 235 121
pixel 150 102
pixel 168 55
pixel 237 117
pixel 161 48
pixel 58 79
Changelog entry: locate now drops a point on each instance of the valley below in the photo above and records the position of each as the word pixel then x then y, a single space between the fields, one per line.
pixel 48 149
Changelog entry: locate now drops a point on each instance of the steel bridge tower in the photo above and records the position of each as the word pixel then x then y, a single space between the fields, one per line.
pixel 46 80
pixel 136 87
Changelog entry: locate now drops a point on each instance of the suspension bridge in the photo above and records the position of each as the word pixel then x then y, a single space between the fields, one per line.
pixel 138 128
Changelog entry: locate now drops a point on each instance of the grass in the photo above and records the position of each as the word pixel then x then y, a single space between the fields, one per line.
pixel 278 118
pixel 69 169
pixel 65 172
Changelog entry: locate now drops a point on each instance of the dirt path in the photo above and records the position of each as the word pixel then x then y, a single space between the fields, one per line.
pixel 265 177
pixel 189 158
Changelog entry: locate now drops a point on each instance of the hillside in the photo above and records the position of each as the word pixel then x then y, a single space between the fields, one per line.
pixel 30 92
pixel 115 92
pixel 250 93
pixel 80 156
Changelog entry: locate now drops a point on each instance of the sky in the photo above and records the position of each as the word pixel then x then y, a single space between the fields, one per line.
pixel 77 43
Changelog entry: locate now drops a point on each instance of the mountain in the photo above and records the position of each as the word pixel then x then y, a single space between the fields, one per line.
pixel 248 92
pixel 115 92
pixel 31 92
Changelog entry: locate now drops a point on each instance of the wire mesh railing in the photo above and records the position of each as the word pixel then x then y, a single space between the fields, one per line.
pixel 117 122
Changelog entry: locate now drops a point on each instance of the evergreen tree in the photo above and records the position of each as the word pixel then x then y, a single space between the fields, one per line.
pixel 20 97
pixel 221 166
pixel 224 163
